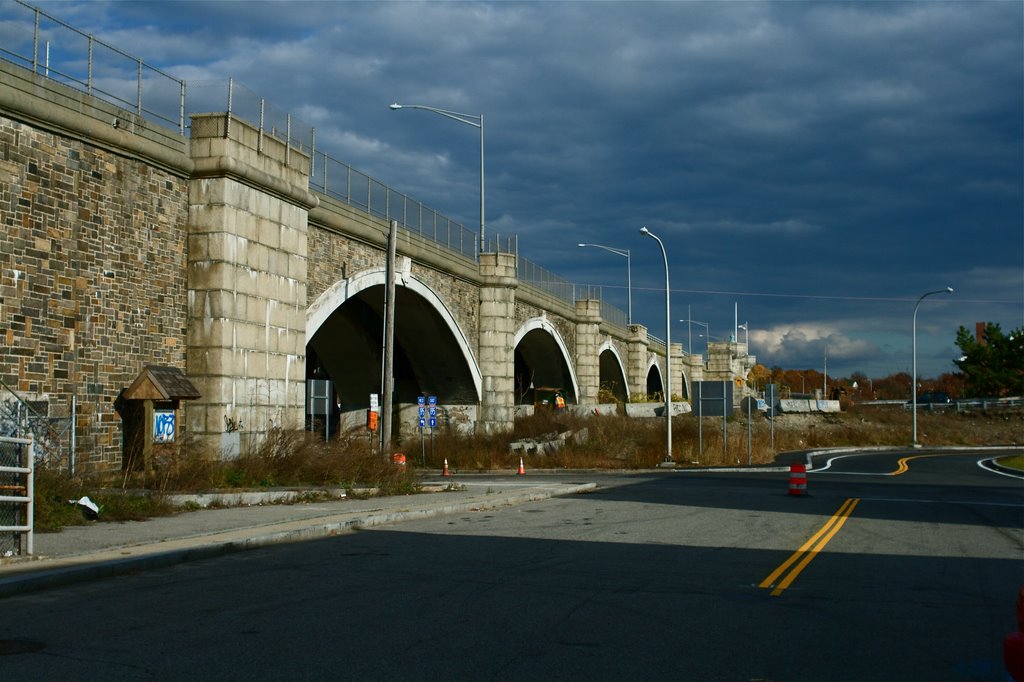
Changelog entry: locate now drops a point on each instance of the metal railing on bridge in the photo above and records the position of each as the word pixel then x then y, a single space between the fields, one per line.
pixel 51 48
pixel 57 50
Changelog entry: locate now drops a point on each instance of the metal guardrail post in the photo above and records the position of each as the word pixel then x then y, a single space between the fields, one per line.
pixel 312 154
pixel 259 138
pixel 227 122
pixel 138 90
pixel 35 43
pixel 88 79
pixel 181 111
pixel 28 471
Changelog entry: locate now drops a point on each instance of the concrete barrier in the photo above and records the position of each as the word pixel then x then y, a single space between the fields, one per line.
pixel 791 406
pixel 652 410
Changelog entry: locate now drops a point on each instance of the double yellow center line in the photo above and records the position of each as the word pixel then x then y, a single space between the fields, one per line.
pixel 803 556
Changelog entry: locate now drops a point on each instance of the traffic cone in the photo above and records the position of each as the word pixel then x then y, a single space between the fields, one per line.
pixel 521 471
pixel 445 472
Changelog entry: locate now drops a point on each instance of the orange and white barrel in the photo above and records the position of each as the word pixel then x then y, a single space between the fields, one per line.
pixel 797 479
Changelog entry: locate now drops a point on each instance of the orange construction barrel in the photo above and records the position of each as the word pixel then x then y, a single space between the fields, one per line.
pixel 797 479
pixel 398 458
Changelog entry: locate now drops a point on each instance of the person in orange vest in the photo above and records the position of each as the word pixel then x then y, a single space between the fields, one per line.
pixel 559 402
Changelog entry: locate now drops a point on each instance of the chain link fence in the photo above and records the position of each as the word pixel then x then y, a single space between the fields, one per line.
pixel 52 434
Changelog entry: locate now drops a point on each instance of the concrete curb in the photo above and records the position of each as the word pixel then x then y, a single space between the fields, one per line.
pixel 43 574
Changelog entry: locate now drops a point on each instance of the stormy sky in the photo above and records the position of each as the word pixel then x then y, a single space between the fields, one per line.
pixel 819 165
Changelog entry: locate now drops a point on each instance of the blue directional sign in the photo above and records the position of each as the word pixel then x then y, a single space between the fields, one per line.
pixel 423 422
pixel 431 410
pixel 420 400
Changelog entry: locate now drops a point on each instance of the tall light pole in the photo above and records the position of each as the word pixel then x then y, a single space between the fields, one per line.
pixel 668 352
pixel 470 120
pixel 629 276
pixel 913 378
pixel 689 335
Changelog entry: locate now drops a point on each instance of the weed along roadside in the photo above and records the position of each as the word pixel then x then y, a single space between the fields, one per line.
pixel 293 468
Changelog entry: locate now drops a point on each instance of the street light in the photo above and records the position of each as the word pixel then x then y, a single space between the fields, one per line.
pixel 470 120
pixel 668 352
pixel 629 276
pixel 913 378
pixel 689 333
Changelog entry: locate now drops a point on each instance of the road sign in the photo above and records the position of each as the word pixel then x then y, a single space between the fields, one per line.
pixel 712 399
pixel 319 396
pixel 433 423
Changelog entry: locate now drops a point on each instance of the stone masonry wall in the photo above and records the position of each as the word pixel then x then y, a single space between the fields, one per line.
pixel 566 328
pixel 92 278
pixel 334 257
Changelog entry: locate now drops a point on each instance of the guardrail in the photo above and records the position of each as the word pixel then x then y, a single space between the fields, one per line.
pixel 987 403
pixel 960 404
pixel 17 491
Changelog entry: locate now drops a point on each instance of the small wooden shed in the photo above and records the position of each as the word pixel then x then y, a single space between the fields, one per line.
pixel 150 412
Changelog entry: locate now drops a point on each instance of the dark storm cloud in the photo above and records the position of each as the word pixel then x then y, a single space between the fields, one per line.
pixel 820 164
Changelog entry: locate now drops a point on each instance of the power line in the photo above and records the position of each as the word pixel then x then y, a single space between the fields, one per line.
pixel 818 297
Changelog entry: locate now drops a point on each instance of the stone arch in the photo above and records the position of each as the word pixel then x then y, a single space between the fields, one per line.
pixel 655 379
pixel 685 374
pixel 612 368
pixel 536 365
pixel 418 308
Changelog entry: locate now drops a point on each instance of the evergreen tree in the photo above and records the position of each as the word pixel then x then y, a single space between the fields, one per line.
pixel 994 365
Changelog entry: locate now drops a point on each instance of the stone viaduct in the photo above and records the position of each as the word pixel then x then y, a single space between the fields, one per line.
pixel 127 244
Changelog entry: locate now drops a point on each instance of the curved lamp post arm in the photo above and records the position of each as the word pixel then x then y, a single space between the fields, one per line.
pixel 689 339
pixel 668 351
pixel 629 275
pixel 913 377
pixel 470 120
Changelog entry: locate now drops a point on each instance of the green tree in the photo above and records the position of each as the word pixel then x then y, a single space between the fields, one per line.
pixel 992 365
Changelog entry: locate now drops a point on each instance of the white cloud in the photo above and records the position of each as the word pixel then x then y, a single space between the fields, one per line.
pixel 787 343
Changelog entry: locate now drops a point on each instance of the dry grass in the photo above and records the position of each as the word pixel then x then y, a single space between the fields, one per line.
pixel 616 442
pixel 288 459
pixel 284 459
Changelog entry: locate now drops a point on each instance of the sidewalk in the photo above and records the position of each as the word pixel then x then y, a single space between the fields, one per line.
pixel 101 549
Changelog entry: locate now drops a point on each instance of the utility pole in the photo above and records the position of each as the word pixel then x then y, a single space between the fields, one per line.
pixel 388 389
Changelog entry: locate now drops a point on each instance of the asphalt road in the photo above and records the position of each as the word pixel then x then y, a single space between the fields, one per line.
pixel 882 571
